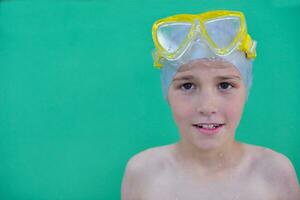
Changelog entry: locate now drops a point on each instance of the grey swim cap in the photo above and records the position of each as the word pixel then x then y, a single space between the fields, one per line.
pixel 200 50
pixel 219 34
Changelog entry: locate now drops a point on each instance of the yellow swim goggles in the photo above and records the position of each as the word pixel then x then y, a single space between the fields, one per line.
pixel 223 31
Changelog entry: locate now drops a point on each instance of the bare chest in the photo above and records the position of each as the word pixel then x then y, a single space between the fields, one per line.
pixel 167 187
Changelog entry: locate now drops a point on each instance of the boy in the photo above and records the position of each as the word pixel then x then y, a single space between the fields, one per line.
pixel 206 72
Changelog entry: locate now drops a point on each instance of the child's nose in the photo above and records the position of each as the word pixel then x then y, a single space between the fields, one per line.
pixel 206 104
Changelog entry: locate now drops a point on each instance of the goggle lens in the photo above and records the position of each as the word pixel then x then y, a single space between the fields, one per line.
pixel 223 31
pixel 172 35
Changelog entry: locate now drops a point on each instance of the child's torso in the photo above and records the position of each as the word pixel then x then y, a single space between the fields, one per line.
pixel 164 187
pixel 245 183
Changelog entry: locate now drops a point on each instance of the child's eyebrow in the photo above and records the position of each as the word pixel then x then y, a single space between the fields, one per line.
pixel 186 77
pixel 227 77
pixel 191 77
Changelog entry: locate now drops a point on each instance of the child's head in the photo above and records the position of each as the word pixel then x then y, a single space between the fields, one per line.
pixel 207 92
pixel 206 72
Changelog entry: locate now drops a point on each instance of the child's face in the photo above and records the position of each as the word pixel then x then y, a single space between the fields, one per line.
pixel 206 91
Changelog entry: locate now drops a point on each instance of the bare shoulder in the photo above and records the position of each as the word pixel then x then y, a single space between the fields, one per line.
pixel 150 159
pixel 141 168
pixel 276 169
pixel 271 161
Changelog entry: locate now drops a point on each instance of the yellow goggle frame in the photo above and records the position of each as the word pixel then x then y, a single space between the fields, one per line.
pixel 242 39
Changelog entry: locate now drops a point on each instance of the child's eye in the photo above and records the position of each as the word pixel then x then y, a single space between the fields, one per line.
pixel 187 86
pixel 225 86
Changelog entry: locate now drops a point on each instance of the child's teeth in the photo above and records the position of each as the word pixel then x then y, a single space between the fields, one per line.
pixel 208 126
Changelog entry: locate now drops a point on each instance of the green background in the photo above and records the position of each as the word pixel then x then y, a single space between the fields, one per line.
pixel 79 95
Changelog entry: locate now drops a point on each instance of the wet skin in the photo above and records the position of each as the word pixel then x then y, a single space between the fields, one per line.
pixel 209 167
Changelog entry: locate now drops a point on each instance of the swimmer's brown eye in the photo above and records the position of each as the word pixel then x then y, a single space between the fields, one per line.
pixel 225 86
pixel 187 86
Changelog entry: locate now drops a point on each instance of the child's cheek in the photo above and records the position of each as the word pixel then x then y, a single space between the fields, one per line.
pixel 183 113
pixel 234 112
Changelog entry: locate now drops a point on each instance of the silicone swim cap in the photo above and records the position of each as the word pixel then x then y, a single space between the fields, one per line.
pixel 181 39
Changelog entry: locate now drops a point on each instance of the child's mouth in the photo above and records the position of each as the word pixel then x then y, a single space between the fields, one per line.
pixel 209 128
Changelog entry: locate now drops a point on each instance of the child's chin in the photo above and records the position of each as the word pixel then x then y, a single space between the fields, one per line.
pixel 207 145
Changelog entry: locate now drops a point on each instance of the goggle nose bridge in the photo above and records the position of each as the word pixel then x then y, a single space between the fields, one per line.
pixel 197 32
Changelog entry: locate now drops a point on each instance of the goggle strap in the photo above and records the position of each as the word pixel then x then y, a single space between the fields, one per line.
pixel 248 46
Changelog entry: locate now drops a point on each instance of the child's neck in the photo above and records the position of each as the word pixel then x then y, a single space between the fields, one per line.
pixel 210 161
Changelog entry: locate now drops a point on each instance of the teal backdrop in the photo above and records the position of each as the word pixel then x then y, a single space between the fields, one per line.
pixel 79 94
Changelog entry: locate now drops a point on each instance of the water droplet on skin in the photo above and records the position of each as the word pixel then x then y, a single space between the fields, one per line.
pixel 220 165
pixel 236 197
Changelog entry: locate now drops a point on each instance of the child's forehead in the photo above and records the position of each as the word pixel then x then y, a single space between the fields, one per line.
pixel 215 66
pixel 206 63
